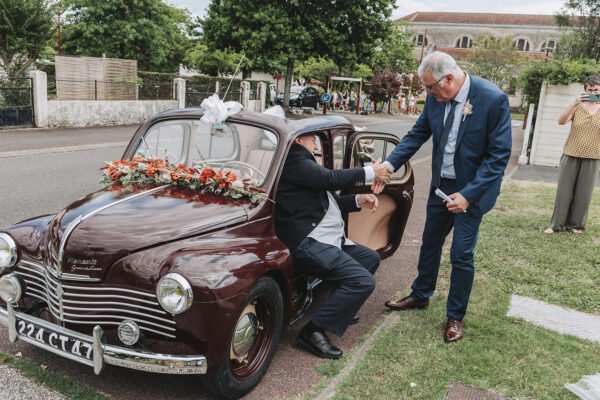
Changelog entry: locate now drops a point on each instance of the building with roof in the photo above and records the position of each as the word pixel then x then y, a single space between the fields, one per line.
pixel 454 32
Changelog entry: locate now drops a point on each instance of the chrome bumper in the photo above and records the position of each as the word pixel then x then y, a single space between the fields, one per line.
pixel 99 352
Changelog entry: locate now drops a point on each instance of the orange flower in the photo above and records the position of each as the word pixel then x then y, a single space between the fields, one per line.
pixel 175 176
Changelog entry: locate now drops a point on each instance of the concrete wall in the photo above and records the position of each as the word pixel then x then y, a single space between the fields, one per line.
pixel 549 137
pixel 63 113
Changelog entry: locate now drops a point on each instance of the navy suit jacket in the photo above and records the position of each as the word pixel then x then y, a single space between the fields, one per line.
pixel 301 201
pixel 483 144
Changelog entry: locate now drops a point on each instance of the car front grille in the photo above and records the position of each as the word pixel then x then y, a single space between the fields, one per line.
pixel 94 303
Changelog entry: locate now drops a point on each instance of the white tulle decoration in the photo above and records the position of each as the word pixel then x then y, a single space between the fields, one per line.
pixel 216 111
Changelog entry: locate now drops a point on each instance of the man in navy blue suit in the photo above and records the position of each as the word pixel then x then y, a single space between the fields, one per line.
pixel 468 119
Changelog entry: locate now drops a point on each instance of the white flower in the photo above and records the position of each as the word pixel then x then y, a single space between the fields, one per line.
pixel 237 184
pixel 468 110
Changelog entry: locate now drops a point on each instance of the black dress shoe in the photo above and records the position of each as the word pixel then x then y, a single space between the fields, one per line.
pixel 318 343
pixel 355 320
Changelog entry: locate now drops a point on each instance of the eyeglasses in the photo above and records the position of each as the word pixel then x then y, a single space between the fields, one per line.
pixel 429 88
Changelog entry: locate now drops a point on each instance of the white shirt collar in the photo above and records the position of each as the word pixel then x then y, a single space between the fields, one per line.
pixel 462 94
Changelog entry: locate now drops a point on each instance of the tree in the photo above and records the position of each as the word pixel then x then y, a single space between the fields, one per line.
pixel 272 33
pixel 26 26
pixel 213 62
pixel 495 59
pixel 384 86
pixel 581 20
pixel 149 31
pixel 318 68
pixel 394 52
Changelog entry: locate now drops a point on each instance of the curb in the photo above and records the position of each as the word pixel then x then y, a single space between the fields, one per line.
pixel 329 391
pixel 65 149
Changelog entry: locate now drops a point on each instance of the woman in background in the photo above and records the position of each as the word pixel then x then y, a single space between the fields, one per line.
pixel 579 164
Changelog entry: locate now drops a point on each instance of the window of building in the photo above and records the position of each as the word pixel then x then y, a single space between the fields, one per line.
pixel 464 42
pixel 421 40
pixel 522 44
pixel 549 45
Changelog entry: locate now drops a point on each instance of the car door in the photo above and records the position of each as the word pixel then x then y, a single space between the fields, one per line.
pixel 382 230
pixel 314 97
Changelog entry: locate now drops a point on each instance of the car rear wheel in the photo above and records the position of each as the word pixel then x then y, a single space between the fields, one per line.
pixel 252 343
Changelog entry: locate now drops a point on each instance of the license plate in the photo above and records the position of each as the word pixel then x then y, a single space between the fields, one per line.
pixel 59 341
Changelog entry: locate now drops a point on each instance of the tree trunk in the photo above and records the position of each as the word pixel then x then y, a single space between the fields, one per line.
pixel 288 84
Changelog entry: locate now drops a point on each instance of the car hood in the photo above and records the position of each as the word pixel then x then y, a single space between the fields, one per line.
pixel 104 226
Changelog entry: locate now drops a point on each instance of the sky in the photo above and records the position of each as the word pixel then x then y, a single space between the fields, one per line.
pixel 405 7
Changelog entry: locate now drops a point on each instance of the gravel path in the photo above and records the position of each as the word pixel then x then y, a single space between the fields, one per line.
pixel 15 386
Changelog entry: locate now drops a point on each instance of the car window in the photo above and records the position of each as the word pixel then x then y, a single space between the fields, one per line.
pixel 366 149
pixel 247 151
pixel 212 144
pixel 339 147
pixel 165 140
pixel 296 89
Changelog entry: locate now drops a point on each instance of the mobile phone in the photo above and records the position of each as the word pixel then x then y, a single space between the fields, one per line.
pixel 594 98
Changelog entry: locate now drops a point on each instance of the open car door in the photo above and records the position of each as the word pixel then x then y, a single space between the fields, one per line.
pixel 382 230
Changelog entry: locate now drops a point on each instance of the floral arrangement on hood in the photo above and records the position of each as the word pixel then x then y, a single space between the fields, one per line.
pixel 158 170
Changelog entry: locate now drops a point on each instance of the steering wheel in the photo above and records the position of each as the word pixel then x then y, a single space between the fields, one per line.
pixel 249 169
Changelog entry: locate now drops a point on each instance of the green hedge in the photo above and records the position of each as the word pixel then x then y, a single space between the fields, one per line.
pixel 554 73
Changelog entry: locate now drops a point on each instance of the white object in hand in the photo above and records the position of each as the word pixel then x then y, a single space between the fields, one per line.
pixel 444 196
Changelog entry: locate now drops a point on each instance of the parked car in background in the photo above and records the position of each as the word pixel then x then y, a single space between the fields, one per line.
pixel 302 96
pixel 161 277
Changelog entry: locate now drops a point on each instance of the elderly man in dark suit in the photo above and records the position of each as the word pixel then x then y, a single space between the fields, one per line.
pixel 469 121
pixel 308 219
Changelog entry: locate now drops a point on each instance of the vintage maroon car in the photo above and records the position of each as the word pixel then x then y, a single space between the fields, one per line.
pixel 170 279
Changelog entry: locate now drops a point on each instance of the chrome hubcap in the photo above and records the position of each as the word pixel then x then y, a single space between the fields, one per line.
pixel 245 334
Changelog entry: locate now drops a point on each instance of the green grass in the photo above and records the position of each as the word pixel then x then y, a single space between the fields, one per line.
pixel 54 381
pixel 498 353
pixel 517 116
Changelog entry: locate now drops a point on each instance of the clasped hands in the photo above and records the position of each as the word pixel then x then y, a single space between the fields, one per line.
pixel 383 176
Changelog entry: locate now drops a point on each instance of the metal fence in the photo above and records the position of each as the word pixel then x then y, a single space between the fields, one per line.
pixel 108 90
pixel 151 90
pixel 16 102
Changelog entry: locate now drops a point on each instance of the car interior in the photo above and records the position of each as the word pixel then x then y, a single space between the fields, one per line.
pixel 245 150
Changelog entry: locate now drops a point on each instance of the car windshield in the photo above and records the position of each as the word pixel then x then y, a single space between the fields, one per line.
pixel 296 89
pixel 247 151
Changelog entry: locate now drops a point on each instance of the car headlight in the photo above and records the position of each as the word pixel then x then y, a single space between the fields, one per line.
pixel 8 251
pixel 174 293
pixel 11 288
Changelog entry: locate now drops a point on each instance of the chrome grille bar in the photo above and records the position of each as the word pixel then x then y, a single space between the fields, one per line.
pixel 107 305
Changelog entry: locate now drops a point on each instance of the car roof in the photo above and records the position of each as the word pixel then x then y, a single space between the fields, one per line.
pixel 288 129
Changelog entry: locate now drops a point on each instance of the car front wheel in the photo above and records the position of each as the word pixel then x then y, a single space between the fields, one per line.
pixel 252 343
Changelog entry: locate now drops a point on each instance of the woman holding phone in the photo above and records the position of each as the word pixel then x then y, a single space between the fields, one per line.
pixel 580 162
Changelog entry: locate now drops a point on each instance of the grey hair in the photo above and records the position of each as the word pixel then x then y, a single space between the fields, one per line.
pixel 593 80
pixel 439 64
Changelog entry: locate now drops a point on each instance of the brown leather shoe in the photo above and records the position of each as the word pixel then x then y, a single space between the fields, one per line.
pixel 407 303
pixel 454 330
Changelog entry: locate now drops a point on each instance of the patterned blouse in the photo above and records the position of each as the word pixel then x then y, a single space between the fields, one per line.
pixel 584 138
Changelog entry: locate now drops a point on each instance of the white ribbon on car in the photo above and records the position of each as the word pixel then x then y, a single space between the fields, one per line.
pixel 216 111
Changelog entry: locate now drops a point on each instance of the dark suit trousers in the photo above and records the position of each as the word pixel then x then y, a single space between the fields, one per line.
pixel 350 269
pixel 438 224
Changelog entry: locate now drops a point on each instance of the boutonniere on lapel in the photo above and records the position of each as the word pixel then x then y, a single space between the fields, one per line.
pixel 468 110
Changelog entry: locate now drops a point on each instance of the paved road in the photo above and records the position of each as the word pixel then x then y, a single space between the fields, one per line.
pixel 45 183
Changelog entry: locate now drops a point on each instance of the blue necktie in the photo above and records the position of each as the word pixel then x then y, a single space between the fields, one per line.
pixel 437 171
